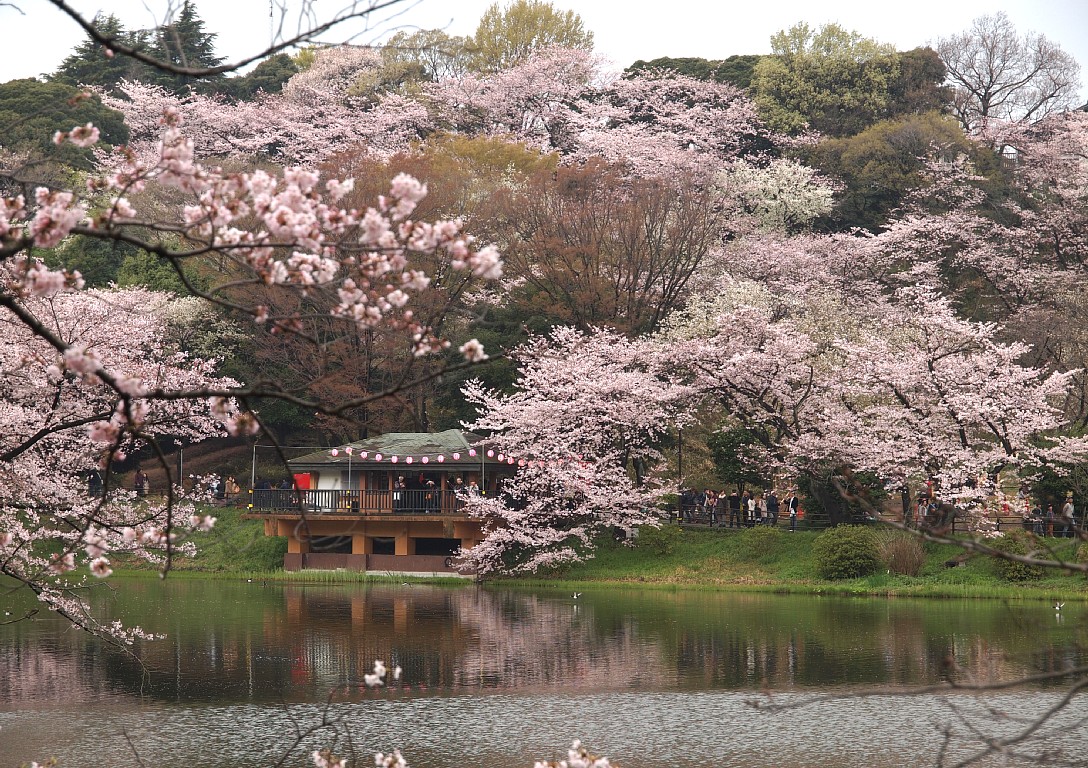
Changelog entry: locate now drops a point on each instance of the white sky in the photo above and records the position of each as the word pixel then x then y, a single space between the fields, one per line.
pixel 36 41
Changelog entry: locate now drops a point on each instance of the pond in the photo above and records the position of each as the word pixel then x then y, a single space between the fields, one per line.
pixel 502 676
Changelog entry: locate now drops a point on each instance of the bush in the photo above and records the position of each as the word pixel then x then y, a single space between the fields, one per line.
pixel 846 552
pixel 760 541
pixel 1016 543
pixel 662 540
pixel 902 553
pixel 1082 553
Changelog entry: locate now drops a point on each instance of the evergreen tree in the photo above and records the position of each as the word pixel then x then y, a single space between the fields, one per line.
pixel 184 43
pixel 268 76
pixel 91 64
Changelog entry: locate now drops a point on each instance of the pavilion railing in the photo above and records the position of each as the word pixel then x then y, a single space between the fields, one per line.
pixel 363 502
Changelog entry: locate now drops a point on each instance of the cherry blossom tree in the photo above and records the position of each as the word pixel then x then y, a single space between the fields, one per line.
pixel 783 195
pixel 274 126
pixel 898 386
pixel 83 375
pixel 581 429
pixel 655 123
pixel 112 390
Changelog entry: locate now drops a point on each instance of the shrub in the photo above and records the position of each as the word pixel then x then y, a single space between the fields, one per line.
pixel 662 540
pixel 846 552
pixel 760 541
pixel 1082 553
pixel 902 553
pixel 1016 543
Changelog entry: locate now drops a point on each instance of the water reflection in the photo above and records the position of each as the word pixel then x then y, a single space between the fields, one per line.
pixel 270 643
pixel 502 675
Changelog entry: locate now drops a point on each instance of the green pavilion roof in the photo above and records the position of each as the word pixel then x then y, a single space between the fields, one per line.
pixel 402 445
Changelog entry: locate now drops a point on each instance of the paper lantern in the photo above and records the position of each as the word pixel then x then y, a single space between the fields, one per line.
pixel 425 460
pixel 364 454
pixel 471 451
pixel 521 463
pixel 335 452
pixel 500 457
pixel 408 460
pixel 456 456
pixel 490 453
pixel 377 457
pixel 394 459
pixel 509 459
pixel 441 458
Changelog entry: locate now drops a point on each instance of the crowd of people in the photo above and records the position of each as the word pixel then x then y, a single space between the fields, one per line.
pixel 1050 522
pixel 739 510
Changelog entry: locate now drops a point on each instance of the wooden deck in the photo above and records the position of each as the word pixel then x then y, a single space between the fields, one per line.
pixel 348 503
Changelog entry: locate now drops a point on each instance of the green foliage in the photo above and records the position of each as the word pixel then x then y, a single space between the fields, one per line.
pixel 184 43
pixel 98 261
pixel 1016 543
pixel 235 544
pixel 736 69
pixel 426 54
pixel 846 552
pixel 918 88
pixel 881 164
pixel 834 80
pixel 508 36
pixel 728 449
pixel 1082 553
pixel 902 553
pixel 32 111
pixel 1051 487
pixel 268 76
pixel 306 57
pixel 700 69
pixel 146 269
pixel 88 64
pixel 823 502
pixel 662 540
pixel 761 542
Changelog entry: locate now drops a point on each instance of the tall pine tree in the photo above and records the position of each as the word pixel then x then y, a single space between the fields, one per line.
pixel 91 64
pixel 184 43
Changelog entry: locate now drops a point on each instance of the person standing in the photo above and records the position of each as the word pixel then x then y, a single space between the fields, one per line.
pixel 94 482
pixel 1068 512
pixel 792 505
pixel 1049 519
pixel 139 484
pixel 772 508
pixel 1037 520
pixel 734 509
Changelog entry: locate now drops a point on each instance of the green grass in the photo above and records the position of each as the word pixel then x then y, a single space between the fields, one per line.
pixel 758 559
pixel 762 560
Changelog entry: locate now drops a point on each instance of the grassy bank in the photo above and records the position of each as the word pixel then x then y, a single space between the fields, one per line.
pixel 755 560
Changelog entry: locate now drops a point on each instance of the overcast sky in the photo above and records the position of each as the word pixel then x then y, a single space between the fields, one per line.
pixel 35 41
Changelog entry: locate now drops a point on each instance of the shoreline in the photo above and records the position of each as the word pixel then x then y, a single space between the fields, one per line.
pixel 755 560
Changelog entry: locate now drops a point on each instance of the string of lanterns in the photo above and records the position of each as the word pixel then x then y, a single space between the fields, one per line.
pixel 440 458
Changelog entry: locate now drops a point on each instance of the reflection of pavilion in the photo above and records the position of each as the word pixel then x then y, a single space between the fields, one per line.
pixel 391 503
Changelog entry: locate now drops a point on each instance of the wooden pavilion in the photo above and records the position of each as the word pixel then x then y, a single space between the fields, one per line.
pixel 391 503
